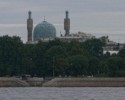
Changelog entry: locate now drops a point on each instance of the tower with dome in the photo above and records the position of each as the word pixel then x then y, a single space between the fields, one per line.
pixel 42 31
pixel 45 31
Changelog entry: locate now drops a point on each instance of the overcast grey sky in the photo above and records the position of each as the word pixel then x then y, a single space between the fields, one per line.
pixel 99 17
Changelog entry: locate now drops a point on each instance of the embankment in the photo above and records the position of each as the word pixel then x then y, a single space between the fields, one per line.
pixel 63 82
pixel 17 82
pixel 86 82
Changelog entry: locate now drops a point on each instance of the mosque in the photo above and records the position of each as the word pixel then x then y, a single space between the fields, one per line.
pixel 46 31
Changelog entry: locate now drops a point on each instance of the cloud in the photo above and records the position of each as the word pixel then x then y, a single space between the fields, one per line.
pixel 86 15
pixel 12 25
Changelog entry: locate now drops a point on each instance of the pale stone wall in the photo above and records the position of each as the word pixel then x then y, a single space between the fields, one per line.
pixel 17 82
pixel 8 82
pixel 35 81
pixel 63 82
pixel 86 82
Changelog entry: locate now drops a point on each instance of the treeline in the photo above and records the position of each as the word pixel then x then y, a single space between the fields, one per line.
pixel 55 58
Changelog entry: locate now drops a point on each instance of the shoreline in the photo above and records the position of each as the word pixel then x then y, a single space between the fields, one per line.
pixel 63 82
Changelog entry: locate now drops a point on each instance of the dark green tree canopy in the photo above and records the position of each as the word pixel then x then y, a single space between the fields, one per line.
pixel 63 58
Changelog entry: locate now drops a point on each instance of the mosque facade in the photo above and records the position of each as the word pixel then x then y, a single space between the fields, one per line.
pixel 46 31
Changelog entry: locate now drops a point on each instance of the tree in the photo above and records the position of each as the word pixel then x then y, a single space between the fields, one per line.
pixel 10 55
pixel 115 64
pixel 59 53
pixel 94 47
pixel 94 66
pixel 28 59
pixel 78 65
pixel 122 52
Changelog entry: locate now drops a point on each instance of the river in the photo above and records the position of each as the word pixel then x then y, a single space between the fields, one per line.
pixel 41 93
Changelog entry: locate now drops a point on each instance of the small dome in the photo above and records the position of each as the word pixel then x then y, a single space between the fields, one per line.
pixel 44 30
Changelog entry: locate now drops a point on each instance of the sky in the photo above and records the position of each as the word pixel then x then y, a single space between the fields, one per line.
pixel 98 17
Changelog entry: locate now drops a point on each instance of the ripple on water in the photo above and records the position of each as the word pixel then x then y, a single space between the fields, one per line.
pixel 41 93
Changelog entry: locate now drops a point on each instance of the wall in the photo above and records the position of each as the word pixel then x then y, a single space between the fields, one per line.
pixel 86 82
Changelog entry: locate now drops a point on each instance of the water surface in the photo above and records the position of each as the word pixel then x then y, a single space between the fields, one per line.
pixel 40 93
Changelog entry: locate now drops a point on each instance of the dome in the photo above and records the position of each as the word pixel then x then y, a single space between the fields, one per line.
pixel 44 30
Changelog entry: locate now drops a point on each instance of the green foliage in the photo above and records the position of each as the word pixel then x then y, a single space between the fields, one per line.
pixel 10 55
pixel 94 47
pixel 115 65
pixel 94 66
pixel 122 52
pixel 78 65
pixel 59 58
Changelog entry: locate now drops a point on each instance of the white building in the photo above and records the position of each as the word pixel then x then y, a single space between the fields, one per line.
pixel 80 36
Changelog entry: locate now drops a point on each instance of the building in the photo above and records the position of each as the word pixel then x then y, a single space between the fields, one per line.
pixel 80 36
pixel 46 31
pixel 67 24
pixel 29 27
pixel 111 46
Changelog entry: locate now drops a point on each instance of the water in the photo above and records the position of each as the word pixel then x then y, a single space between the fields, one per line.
pixel 40 93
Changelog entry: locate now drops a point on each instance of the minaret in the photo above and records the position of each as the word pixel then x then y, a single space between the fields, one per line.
pixel 67 24
pixel 29 27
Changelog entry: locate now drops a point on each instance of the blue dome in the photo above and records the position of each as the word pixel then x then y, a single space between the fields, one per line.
pixel 44 30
